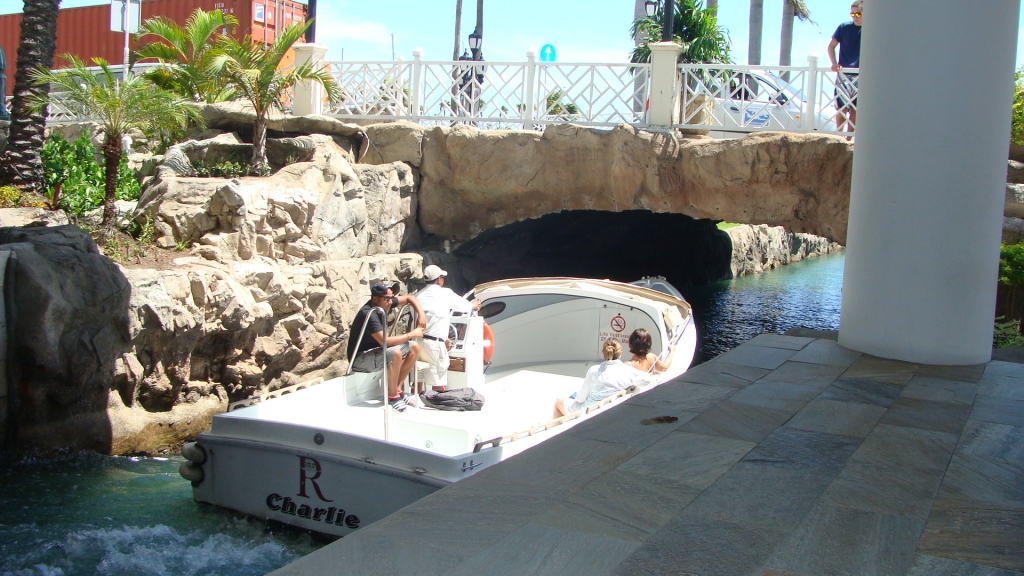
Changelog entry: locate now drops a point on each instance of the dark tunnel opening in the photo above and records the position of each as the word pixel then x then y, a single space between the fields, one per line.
pixel 622 246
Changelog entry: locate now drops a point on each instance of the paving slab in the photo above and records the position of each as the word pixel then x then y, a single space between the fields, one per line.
pixel 826 352
pixel 844 541
pixel 940 390
pixel 834 417
pixel 995 440
pixel 541 550
pixel 779 395
pixel 780 341
pixel 933 566
pixel 642 502
pixel 682 397
pixel 756 356
pixel 722 374
pixel 697 545
pixel 693 460
pixel 817 452
pixel 739 421
pixel 998 410
pixel 881 370
pixel 863 391
pixel 972 373
pixel 626 425
pixel 986 537
pixel 816 375
pixel 1007 387
pixel 566 462
pixel 896 470
pixel 981 482
pixel 927 414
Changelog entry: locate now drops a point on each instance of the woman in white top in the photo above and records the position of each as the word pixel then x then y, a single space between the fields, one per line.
pixel 603 380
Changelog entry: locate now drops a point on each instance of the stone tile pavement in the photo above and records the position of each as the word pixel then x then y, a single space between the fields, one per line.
pixel 791 456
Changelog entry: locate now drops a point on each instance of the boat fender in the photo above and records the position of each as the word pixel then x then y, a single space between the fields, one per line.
pixel 488 342
pixel 192 472
pixel 194 453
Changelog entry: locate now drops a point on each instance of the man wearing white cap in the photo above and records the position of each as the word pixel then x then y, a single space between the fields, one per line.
pixel 438 303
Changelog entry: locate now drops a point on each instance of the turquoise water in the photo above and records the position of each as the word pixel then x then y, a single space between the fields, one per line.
pixel 83 513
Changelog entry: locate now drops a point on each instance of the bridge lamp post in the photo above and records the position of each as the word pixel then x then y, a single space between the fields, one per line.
pixel 651 6
pixel 476 77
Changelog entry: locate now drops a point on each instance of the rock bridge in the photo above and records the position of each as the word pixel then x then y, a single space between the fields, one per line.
pixel 471 181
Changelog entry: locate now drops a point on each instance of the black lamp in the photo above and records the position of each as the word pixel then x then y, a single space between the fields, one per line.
pixel 651 6
pixel 475 40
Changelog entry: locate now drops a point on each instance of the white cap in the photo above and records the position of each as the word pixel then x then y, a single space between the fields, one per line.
pixel 433 272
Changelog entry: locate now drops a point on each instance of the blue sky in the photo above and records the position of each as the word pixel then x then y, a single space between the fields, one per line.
pixel 581 31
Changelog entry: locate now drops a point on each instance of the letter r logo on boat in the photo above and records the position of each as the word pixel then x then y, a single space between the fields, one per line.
pixel 309 471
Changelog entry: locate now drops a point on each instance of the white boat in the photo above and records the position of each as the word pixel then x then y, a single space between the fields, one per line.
pixel 333 457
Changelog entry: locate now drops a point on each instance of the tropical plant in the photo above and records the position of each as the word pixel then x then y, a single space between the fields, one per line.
pixel 187 55
pixel 791 11
pixel 20 164
pixel 756 22
pixel 253 71
pixel 119 107
pixel 1007 333
pixel 1011 264
pixel 1017 120
pixel 695 28
pixel 74 180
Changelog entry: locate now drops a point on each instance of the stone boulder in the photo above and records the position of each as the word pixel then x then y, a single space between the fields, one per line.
pixel 1013 206
pixel 69 327
pixel 31 217
pixel 395 142
pixel 474 180
pixel 238 116
pixel 317 208
pixel 1015 172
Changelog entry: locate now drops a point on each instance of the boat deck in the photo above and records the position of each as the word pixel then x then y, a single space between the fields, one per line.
pixel 788 456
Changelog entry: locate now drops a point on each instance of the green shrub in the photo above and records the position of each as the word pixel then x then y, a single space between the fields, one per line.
pixel 1011 264
pixel 226 169
pixel 73 164
pixel 1017 123
pixel 1007 334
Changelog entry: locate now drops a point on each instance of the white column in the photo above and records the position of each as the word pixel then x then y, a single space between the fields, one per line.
pixel 929 172
pixel 664 106
pixel 309 96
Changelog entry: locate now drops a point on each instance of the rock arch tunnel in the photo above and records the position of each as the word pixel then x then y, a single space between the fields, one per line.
pixel 621 246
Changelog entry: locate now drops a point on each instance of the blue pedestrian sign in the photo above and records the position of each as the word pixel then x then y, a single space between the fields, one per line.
pixel 547 53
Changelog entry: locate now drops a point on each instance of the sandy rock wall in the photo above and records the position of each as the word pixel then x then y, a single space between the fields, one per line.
pixel 474 180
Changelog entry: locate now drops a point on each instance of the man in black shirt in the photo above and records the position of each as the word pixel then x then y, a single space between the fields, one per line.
pixel 847 38
pixel 401 351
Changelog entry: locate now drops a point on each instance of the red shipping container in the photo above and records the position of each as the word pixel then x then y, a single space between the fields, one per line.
pixel 85 32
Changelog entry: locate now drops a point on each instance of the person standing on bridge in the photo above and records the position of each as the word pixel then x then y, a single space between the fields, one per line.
pixel 847 38
pixel 438 304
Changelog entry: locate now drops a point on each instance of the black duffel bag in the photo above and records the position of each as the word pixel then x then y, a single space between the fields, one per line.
pixel 460 399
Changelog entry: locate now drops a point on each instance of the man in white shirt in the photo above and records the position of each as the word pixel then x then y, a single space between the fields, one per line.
pixel 438 303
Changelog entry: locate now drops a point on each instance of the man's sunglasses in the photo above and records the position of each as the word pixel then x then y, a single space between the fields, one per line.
pixel 856 14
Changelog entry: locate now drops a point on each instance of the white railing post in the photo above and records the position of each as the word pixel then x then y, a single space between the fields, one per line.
pixel 664 84
pixel 811 113
pixel 309 96
pixel 531 83
pixel 417 81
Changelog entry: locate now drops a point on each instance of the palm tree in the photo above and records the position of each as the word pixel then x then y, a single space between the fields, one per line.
pixel 458 28
pixel 253 71
pixel 20 164
pixel 791 9
pixel 188 55
pixel 695 28
pixel 756 26
pixel 118 106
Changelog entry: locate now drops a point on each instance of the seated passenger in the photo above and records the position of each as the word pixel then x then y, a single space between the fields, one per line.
pixel 401 350
pixel 643 359
pixel 603 380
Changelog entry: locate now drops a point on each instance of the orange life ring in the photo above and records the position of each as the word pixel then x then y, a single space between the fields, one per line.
pixel 488 343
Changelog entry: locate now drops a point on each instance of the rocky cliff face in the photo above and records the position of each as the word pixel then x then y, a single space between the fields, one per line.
pixel 756 249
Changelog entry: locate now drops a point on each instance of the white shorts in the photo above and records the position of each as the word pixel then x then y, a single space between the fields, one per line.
pixel 435 354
